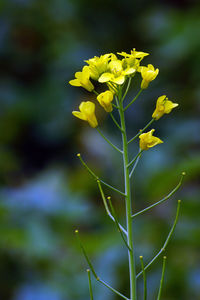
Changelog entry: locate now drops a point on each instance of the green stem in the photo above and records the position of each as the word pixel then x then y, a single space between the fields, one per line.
pixel 132 270
pixel 162 277
pixel 138 94
pixel 97 94
pixel 108 141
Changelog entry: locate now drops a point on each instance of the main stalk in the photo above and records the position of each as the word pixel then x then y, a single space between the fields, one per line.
pixel 132 271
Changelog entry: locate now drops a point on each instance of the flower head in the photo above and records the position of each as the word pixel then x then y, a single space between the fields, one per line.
pixel 116 72
pixel 87 113
pixel 105 100
pixel 98 65
pixel 148 73
pixel 163 106
pixel 147 140
pixel 83 79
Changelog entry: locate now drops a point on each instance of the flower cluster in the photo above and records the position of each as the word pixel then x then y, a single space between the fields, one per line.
pixel 115 72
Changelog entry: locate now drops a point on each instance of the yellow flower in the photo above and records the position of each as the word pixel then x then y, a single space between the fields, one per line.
pixel 83 79
pixel 133 59
pixel 147 140
pixel 163 106
pixel 87 113
pixel 134 54
pixel 98 65
pixel 105 100
pixel 148 74
pixel 116 73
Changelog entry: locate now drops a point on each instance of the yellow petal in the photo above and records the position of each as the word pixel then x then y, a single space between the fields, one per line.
pixel 169 105
pixel 129 71
pixel 144 84
pixel 134 54
pixel 150 67
pixel 157 114
pixel 115 66
pixel 87 107
pixel 123 53
pixel 78 74
pixel 86 70
pixel 155 141
pixel 88 110
pixel 105 77
pixel 105 100
pixel 88 86
pixel 161 99
pixel 106 96
pixel 138 54
pixel 93 121
pixel 79 115
pixel 147 140
pixel 75 82
pixel 119 80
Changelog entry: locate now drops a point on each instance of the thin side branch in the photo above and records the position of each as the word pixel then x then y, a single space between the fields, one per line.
pixel 162 278
pixel 117 224
pixel 115 106
pixel 127 88
pixel 141 131
pixel 93 271
pixel 107 208
pixel 112 289
pixel 117 102
pixel 97 178
pixel 108 141
pixel 112 188
pixel 115 121
pixel 144 279
pixel 133 100
pixel 162 200
pixel 134 159
pixel 90 285
pixel 165 243
pixel 95 92
pixel 135 165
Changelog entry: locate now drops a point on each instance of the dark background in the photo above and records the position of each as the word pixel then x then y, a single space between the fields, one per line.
pixel 44 191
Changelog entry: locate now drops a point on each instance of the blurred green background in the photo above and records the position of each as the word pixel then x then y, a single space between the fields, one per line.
pixel 44 191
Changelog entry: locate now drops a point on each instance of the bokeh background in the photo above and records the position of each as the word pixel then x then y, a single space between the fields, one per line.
pixel 44 191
